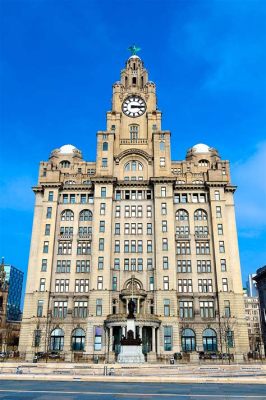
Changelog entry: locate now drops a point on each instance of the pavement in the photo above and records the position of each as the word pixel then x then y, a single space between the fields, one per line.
pixel 36 390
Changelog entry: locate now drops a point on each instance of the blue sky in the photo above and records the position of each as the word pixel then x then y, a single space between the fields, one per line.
pixel 59 60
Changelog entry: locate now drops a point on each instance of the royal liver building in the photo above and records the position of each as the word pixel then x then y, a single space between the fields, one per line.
pixel 134 225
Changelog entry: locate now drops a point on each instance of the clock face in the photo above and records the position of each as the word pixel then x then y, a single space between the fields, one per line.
pixel 134 106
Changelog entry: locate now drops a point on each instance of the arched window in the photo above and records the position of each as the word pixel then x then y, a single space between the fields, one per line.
pixel 162 146
pixel 133 166
pixel 181 215
pixel 203 163
pixel 134 132
pixel 87 182
pixel 134 80
pixel 57 339
pixel 85 215
pixel 70 182
pixel 67 215
pixel 105 146
pixel 209 339
pixel 200 215
pixel 197 182
pixel 188 339
pixel 78 339
pixel 65 164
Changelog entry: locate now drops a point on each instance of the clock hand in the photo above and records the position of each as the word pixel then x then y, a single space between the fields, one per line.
pixel 137 106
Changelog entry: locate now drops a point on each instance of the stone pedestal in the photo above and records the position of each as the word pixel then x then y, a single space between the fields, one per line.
pixel 131 347
pixel 131 354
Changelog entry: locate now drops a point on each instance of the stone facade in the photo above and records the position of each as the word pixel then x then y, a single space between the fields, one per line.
pixel 134 224
pixel 260 279
pixel 252 311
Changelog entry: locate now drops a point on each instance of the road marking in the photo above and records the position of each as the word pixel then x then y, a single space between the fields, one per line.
pixel 228 396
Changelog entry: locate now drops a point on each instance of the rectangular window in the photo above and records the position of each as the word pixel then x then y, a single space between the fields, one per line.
pixel 133 211
pixel 182 230
pixel 103 192
pixel 225 284
pixel 205 285
pixel 203 266
pixel 133 246
pixel 140 264
pixel 82 266
pixel 167 338
pixel 230 339
pixel 98 307
pixel 217 195
pixel 140 231
pixel 186 309
pixel 80 309
pixel 165 263
pixel 126 264
pixel 149 211
pixel 140 246
pixel 166 307
pixel 62 285
pixel 162 161
pixel 220 229
pixel 166 283
pixel 117 228
pixel 139 214
pixel 47 229
pixel 183 247
pixel 126 246
pixel 100 283
pixel 149 246
pixel 163 191
pixel 201 230
pixel 223 265
pixel 117 246
pixel 65 198
pixel 51 196
pixel 207 309
pixel 149 229
pixel 101 244
pixel 42 285
pixel 133 264
pixel 40 308
pixel 102 208
pixel 100 262
pixel 102 226
pixel 45 247
pixel 64 247
pixel 44 265
pixel 49 212
pixel 118 195
pixel 63 266
pixel 83 248
pixel 114 283
pixel 164 226
pixel 72 198
pixel 117 264
pixel 164 244
pixel 127 229
pixel 218 212
pixel 227 309
pixel 184 285
pixel 221 246
pixel 83 198
pixel 117 211
pixel 202 248
pixel 151 282
pixel 60 309
pixel 104 162
pixel 163 209
pixel 149 264
pixel 184 266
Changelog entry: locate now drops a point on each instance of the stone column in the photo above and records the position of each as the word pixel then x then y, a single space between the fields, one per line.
pixel 110 339
pixel 140 332
pixel 158 342
pixel 153 339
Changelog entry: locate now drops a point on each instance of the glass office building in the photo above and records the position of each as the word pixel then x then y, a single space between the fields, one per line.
pixel 14 277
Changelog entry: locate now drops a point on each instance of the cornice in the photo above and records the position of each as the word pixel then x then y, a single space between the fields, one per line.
pixel 103 179
pixel 162 179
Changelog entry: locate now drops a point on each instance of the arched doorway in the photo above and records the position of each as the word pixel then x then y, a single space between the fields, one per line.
pixel 78 339
pixel 57 339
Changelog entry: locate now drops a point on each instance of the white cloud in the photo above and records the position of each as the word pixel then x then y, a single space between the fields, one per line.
pixel 250 177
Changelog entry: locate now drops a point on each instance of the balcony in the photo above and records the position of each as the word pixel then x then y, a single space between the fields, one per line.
pixel 201 236
pixel 133 141
pixel 179 236
pixel 87 236
pixel 65 236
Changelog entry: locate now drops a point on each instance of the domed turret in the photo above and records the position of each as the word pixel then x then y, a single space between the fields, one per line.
pixel 67 151
pixel 199 150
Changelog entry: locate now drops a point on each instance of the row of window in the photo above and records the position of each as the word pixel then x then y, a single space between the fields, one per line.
pixel 184 247
pixel 199 214
pixel 77 198
pixel 133 264
pixel 183 285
